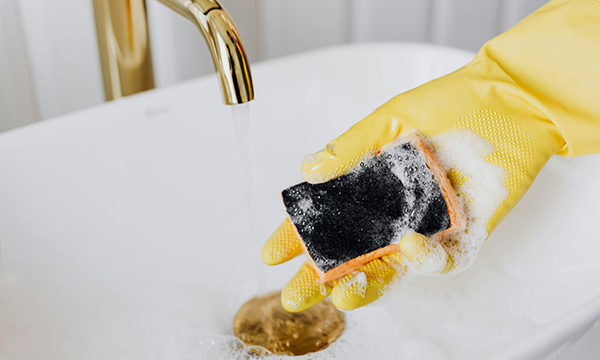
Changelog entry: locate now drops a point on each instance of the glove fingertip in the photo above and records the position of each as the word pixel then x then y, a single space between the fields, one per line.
pixel 283 245
pixel 303 290
pixel 428 255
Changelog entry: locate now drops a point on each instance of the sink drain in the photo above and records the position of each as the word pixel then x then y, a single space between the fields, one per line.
pixel 262 321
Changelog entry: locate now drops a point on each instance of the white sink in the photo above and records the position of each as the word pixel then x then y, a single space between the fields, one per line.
pixel 124 230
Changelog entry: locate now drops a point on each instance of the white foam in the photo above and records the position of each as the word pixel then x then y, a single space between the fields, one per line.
pixel 480 194
pixel 308 209
pixel 366 329
pixel 431 259
pixel 407 172
pixel 358 284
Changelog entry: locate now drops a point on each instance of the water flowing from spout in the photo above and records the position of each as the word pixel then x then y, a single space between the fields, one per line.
pixel 241 121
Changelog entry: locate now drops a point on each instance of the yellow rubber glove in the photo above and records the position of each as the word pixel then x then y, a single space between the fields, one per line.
pixel 530 93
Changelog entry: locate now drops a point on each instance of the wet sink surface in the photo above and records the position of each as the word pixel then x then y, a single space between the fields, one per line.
pixel 124 231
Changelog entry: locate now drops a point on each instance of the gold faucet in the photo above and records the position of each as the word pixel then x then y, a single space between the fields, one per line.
pixel 124 46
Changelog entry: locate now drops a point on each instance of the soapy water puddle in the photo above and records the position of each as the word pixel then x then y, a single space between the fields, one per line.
pixel 470 315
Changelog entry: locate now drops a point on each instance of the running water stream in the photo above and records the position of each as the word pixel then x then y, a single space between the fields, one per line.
pixel 262 323
pixel 241 122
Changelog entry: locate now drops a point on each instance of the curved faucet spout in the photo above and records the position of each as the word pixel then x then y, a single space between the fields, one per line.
pixel 225 45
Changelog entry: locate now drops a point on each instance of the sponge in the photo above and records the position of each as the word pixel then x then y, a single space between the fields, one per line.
pixel 360 216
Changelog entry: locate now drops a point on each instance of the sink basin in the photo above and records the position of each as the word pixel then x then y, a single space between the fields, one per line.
pixel 125 232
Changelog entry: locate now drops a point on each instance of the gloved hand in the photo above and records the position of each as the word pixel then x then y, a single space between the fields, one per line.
pixel 528 94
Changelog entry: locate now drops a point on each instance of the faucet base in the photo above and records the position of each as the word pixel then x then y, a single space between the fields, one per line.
pixel 124 46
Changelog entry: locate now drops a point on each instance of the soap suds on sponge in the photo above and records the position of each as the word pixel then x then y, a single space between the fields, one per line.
pixel 369 208
pixel 481 190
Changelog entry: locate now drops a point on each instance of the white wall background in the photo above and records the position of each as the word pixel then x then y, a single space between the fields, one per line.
pixel 52 44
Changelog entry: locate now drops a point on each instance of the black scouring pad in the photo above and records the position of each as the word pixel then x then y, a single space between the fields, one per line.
pixel 368 209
